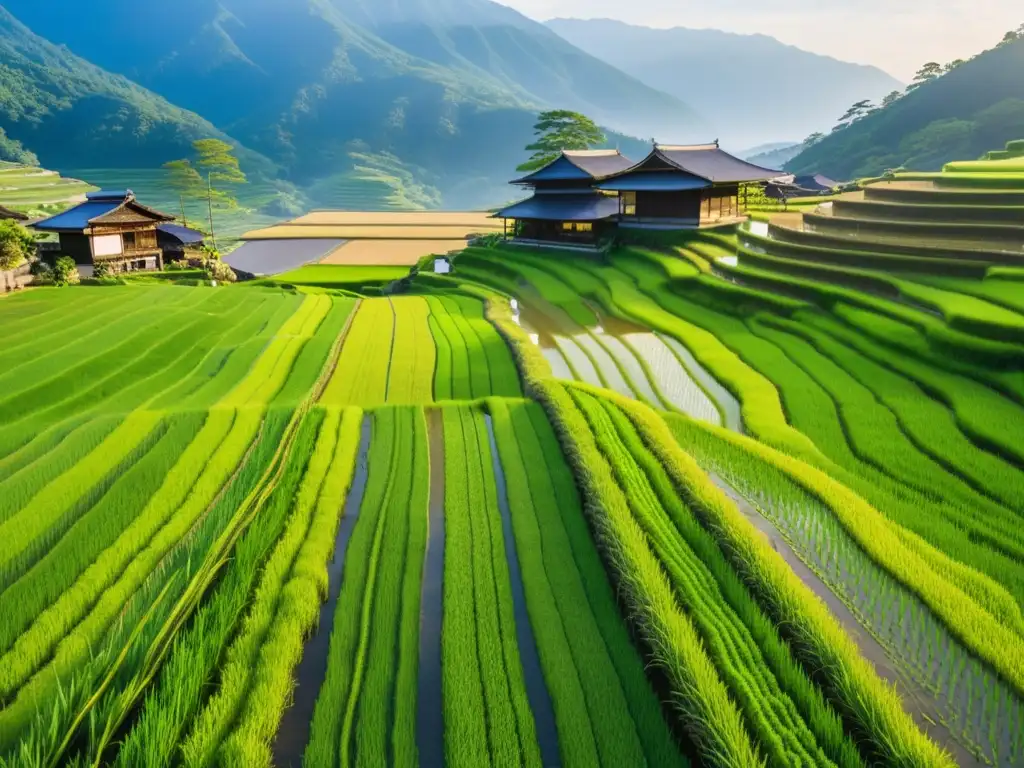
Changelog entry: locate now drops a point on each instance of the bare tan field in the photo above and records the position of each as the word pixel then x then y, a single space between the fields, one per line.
pixel 309 232
pixel 473 221
pixel 388 253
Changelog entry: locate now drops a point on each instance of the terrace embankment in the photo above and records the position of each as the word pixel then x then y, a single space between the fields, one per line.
pixel 293 734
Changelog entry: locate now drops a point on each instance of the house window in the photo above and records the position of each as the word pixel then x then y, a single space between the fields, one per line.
pixel 584 226
pixel 629 203
pixel 129 240
pixel 567 226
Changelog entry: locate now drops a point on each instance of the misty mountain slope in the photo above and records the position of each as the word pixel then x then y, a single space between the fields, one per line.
pixel 752 87
pixel 65 109
pixel 977 107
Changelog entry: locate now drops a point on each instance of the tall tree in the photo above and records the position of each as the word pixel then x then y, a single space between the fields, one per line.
pixel 217 166
pixel 953 65
pixel 855 113
pixel 559 130
pixel 891 99
pixel 926 74
pixel 813 139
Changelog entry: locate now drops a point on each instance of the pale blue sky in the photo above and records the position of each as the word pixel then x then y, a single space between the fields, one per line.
pixel 897 35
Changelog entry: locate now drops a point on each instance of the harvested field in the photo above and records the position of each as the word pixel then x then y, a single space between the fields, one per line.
pixel 358 253
pixel 363 232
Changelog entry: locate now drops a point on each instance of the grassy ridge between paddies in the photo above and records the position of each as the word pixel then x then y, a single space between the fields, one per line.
pixel 606 711
pixel 58 641
pixel 334 276
pixel 366 709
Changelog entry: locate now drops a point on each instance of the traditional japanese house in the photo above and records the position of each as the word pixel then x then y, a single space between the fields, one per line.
pixel 111 228
pixel 678 187
pixel 565 209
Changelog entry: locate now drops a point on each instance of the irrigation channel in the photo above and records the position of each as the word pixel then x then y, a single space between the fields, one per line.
pixel 951 694
pixel 293 733
pixel 536 688
pixel 430 695
pixel 631 360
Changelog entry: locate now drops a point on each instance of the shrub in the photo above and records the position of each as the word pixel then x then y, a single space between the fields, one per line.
pixel 219 271
pixel 65 271
pixel 101 271
pixel 16 244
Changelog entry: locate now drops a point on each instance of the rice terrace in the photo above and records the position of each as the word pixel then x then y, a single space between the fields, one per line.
pixel 746 494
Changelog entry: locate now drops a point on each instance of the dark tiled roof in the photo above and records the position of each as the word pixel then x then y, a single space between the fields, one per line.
pixel 654 181
pixel 712 163
pixel 579 166
pixel 571 207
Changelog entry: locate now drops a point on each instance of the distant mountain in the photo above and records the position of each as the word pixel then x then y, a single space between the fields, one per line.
pixel 752 87
pixel 448 88
pixel 62 108
pixel 977 107
pixel 763 149
pixel 775 158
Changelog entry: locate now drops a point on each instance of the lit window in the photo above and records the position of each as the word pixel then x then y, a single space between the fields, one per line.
pixel 585 227
pixel 567 226
pixel 629 203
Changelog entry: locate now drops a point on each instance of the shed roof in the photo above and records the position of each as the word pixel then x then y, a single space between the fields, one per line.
pixel 182 234
pixel 705 161
pixel 588 206
pixel 101 207
pixel 579 165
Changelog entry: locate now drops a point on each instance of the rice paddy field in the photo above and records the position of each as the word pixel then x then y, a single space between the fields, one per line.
pixel 740 499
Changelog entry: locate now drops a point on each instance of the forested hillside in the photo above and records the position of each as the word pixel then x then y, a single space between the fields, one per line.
pixel 976 107
pixel 63 108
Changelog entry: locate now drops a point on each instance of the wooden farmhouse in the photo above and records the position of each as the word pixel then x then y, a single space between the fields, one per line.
pixel 582 198
pixel 113 228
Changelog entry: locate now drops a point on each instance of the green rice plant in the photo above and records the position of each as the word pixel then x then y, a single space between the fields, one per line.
pixel 175 700
pixel 853 685
pixel 44 442
pixel 355 598
pixel 97 529
pixel 980 412
pixel 595 724
pixel 990 629
pixel 54 509
pixel 444 372
pixel 487 715
pixel 22 485
pixel 170 514
pixel 413 354
pixel 458 385
pixel 780 705
pixel 367 705
pixel 480 380
pixel 884 607
pixel 676 386
pixel 316 352
pixel 361 376
pixel 699 696
pixel 929 424
pixel 267 695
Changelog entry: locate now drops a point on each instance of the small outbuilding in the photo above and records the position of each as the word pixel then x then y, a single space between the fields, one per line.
pixel 112 228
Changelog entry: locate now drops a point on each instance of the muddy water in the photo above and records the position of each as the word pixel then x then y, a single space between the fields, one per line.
pixel 293 733
pixel 430 702
pixel 547 343
pixel 928 708
pixel 536 687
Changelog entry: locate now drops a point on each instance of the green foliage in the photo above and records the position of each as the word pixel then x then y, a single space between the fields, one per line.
pixel 65 271
pixel 16 244
pixel 12 151
pixel 560 130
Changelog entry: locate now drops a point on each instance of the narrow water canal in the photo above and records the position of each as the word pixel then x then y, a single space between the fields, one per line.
pixel 430 696
pixel 293 733
pixel 536 687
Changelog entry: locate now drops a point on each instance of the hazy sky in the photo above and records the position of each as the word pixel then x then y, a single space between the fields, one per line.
pixel 896 35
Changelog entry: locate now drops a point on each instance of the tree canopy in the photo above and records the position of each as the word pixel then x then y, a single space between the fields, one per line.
pixel 215 165
pixel 16 244
pixel 560 130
